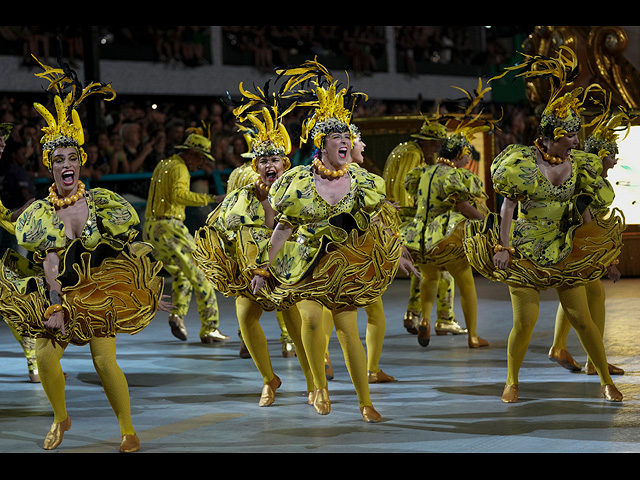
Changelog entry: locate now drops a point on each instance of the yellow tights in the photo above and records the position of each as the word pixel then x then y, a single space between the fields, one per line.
pixel 103 353
pixel 249 313
pixel 595 299
pixel 314 338
pixel 526 306
pixel 463 277
pixel 376 327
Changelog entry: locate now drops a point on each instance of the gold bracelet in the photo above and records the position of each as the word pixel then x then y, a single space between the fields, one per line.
pixel 51 310
pixel 261 272
pixel 500 248
pixel 615 262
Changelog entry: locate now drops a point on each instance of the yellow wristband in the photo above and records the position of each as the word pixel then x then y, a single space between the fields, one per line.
pixel 261 272
pixel 51 310
pixel 500 248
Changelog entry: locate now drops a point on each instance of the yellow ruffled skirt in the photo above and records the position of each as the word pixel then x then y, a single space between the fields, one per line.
pixel 595 246
pixel 106 290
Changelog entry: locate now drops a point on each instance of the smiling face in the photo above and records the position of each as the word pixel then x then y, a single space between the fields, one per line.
pixel 270 169
pixel 65 168
pixel 337 150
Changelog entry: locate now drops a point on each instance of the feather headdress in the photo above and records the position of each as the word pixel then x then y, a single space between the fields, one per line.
pixel 259 118
pixel 471 122
pixel 563 112
pixel 605 136
pixel 332 105
pixel 65 130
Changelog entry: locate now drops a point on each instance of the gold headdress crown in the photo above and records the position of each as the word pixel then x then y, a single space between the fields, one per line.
pixel 563 112
pixel 332 105
pixel 605 136
pixel 65 130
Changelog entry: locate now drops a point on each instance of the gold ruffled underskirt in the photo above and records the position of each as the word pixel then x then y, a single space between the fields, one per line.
pixel 595 246
pixel 449 249
pixel 354 273
pixel 106 292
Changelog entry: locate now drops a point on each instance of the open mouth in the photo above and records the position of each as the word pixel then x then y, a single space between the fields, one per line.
pixel 271 175
pixel 342 153
pixel 68 177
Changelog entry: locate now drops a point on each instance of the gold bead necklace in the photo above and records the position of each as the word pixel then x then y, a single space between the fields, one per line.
pixel 330 173
pixel 446 161
pixel 262 186
pixel 548 157
pixel 66 201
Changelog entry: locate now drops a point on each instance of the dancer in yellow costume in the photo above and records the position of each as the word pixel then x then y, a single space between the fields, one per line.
pixel 343 256
pixel 552 243
pixel 376 319
pixel 169 194
pixel 7 220
pixel 92 280
pixel 603 142
pixel 447 195
pixel 241 227
pixel 240 177
pixel 423 150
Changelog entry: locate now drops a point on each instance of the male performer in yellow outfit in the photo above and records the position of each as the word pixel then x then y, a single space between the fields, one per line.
pixel 403 158
pixel 169 194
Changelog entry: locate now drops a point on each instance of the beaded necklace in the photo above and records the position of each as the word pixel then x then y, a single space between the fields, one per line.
pixel 330 173
pixel 548 157
pixel 66 201
pixel 446 161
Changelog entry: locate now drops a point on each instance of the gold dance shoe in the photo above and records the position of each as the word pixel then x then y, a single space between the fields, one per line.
pixel 611 393
pixel 213 337
pixel 564 359
pixel 424 332
pixel 268 395
pixel 590 369
pixel 380 377
pixel 321 402
pixel 178 329
pixel 477 342
pixel 410 322
pixel 288 349
pixel 510 394
pixel 370 415
pixel 56 432
pixel 453 327
pixel 130 443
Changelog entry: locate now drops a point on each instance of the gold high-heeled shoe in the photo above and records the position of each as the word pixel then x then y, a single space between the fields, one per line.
pixel 380 377
pixel 424 332
pixel 370 415
pixel 130 443
pixel 590 369
pixel 611 393
pixel 55 434
pixel 268 395
pixel 477 342
pixel 564 359
pixel 510 394
pixel 321 402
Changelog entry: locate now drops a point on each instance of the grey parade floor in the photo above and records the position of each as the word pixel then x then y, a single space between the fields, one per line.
pixel 188 397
